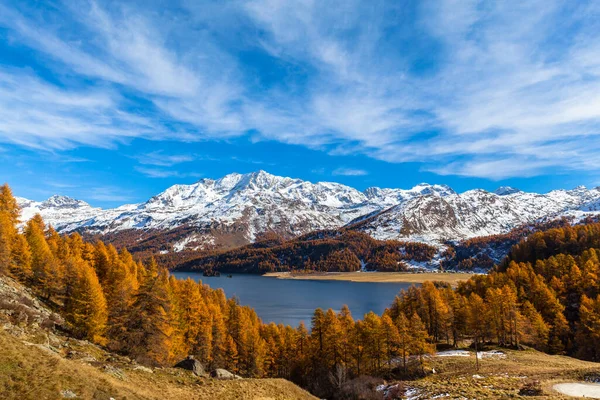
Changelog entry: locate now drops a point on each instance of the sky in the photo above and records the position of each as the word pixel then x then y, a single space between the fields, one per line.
pixel 112 102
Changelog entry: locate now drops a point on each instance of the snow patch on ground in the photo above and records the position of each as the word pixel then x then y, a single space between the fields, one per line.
pixel 363 266
pixel 579 389
pixel 182 244
pixel 490 354
pixel 414 394
pixel 453 353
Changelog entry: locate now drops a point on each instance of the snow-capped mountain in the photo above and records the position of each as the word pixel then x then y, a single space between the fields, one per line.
pixel 478 213
pixel 239 207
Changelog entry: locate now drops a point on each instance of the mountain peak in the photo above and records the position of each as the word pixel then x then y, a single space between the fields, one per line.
pixel 506 190
pixel 260 180
pixel 427 188
pixel 58 201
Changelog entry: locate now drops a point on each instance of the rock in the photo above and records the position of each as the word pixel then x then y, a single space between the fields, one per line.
pixel 143 369
pixel 220 373
pixel 68 394
pixel 191 364
pixel 81 356
pixel 114 371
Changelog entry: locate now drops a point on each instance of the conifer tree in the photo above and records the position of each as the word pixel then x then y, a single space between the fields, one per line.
pixel 374 340
pixel 588 329
pixel 346 323
pixel 318 331
pixel 302 351
pixel 187 316
pixel 219 337
pixel 7 238
pixel 231 355
pixel 332 355
pixel 202 347
pixel 255 353
pixel 119 289
pixel 46 275
pixel 102 262
pixel 358 346
pixel 419 339
pixel 535 329
pixel 477 321
pixel 20 266
pixel 149 326
pixel 391 339
pixel 404 339
pixel 85 305
pixel 8 204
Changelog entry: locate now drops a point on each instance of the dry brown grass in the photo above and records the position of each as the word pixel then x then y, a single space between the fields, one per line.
pixel 501 378
pixel 395 277
pixel 35 372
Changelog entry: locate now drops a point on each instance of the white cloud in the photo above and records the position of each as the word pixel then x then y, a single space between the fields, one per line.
pixel 163 160
pixel 165 173
pixel 108 194
pixel 349 172
pixel 510 90
pixel 38 114
pixel 157 173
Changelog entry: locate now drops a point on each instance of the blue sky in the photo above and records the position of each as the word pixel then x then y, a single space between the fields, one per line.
pixel 113 101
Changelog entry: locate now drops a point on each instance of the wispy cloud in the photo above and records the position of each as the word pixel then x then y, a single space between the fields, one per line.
pixel 61 185
pixel 250 161
pixel 165 173
pixel 164 160
pixel 466 88
pixel 41 115
pixel 108 194
pixel 349 172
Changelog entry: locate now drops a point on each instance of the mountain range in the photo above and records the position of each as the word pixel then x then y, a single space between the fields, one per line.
pixel 238 208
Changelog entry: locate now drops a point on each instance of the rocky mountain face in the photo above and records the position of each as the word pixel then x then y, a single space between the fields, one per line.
pixel 474 213
pixel 239 207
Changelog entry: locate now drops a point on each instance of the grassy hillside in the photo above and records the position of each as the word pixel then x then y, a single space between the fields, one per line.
pixel 30 371
pixel 501 377
pixel 38 361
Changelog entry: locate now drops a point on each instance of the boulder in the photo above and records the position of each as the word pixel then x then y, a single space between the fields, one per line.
pixel 220 373
pixel 191 364
pixel 143 369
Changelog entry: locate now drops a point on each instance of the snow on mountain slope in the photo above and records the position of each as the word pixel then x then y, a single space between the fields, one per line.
pixel 239 207
pixel 435 218
pixel 245 205
pixel 59 211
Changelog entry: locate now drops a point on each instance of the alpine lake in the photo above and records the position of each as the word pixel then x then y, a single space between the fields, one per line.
pixel 289 301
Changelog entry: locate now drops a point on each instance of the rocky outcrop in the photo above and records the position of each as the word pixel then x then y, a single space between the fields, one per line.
pixel 220 373
pixel 191 364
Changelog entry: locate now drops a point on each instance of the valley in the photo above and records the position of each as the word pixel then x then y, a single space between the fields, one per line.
pixel 127 316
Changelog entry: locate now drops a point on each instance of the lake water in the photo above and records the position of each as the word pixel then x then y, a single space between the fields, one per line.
pixel 290 301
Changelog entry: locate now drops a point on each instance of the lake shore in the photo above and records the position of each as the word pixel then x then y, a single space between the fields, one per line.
pixel 392 277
